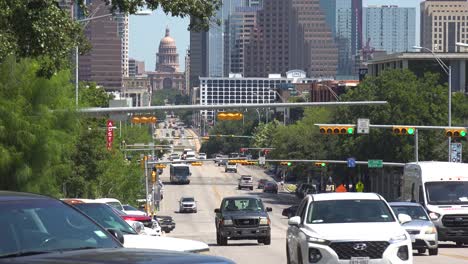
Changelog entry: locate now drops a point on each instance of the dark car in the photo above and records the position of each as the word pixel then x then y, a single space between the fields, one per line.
pixel 166 222
pixel 39 229
pixel 242 217
pixel 261 183
pixel 271 187
pixel 290 211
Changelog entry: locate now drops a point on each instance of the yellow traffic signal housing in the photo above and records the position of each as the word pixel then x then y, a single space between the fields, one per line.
pixel 230 116
pixel 455 132
pixel 338 130
pixel 320 164
pixel 153 176
pixel 197 163
pixel 205 138
pixel 403 130
pixel 144 119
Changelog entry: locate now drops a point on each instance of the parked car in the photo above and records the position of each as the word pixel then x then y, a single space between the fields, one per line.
pixel 290 211
pixel 166 222
pixel 230 167
pixel 242 217
pixel 187 204
pixel 128 209
pixel 112 202
pixel 245 181
pixel 40 229
pixel 261 183
pixel 421 229
pixel 347 227
pixel 271 187
pixel 174 157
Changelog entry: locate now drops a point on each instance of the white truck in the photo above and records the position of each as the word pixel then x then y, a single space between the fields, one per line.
pixel 442 188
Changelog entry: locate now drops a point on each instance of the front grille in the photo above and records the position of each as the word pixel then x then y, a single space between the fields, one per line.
pixel 413 232
pixel 455 220
pixel 187 205
pixel 246 222
pixel 419 243
pixel 371 249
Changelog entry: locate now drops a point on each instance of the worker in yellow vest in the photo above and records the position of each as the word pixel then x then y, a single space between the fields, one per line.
pixel 359 186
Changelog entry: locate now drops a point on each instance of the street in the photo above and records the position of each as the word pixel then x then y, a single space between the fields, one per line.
pixel 209 184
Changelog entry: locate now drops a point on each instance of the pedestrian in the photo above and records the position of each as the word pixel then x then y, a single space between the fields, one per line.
pixel 341 188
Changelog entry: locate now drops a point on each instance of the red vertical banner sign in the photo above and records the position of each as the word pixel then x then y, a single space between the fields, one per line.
pixel 110 134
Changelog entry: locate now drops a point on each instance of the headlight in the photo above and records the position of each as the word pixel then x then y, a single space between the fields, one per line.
pixel 264 221
pixel 433 216
pixel 227 222
pixel 430 230
pixel 317 240
pixel 399 238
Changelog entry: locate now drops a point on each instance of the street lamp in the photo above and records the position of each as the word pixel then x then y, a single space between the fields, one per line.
pixel 331 91
pixel 92 17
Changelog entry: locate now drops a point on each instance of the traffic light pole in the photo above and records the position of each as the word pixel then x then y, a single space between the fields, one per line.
pixel 416 145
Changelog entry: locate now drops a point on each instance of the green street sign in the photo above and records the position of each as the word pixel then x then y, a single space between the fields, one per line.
pixel 374 163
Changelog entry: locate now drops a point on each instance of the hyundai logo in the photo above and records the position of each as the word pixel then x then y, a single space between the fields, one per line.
pixel 360 246
pixel 458 219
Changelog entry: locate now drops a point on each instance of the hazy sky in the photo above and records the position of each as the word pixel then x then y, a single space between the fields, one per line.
pixel 147 31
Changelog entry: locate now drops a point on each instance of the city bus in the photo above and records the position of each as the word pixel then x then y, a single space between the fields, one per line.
pixel 180 173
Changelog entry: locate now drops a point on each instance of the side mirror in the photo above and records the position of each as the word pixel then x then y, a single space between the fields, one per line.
pixel 217 210
pixel 117 234
pixel 294 221
pixel 285 212
pixel 268 209
pixel 404 218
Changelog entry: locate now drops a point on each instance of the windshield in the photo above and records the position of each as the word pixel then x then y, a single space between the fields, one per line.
pixel 105 216
pixel 129 208
pixel 242 204
pixel 416 212
pixel 182 171
pixel 47 225
pixel 115 205
pixel 348 211
pixel 447 192
pixel 187 200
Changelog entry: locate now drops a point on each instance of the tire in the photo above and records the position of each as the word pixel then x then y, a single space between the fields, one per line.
pixel 195 211
pixel 288 257
pixel 433 251
pixel 267 240
pixel 223 240
pixel 421 250
pixel 299 256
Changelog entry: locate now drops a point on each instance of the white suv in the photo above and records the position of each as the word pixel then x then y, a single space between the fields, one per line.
pixel 355 228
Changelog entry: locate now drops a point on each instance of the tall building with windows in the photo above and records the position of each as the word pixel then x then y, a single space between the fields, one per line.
pixel 344 17
pixel 390 28
pixel 443 24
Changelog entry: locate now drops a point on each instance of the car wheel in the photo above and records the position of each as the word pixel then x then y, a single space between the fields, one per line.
pixel 267 240
pixel 195 211
pixel 223 240
pixel 433 251
pixel 421 251
pixel 299 256
pixel 288 257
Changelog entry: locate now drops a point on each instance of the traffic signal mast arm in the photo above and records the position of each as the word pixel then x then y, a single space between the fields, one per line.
pixel 392 164
pixel 454 129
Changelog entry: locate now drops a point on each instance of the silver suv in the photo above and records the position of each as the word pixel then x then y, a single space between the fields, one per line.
pixel 246 181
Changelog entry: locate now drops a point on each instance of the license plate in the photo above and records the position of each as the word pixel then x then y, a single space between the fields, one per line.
pixel 359 260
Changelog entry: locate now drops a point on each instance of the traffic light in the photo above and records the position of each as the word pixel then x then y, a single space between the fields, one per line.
pixel 144 119
pixel 153 176
pixel 320 164
pixel 455 132
pixel 403 130
pixel 338 130
pixel 230 116
pixel 286 163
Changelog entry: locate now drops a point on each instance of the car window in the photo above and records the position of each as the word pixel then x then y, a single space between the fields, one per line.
pixel 241 204
pixel 187 199
pixel 115 205
pixel 47 225
pixel 301 209
pixel 348 211
pixel 105 216
pixel 415 212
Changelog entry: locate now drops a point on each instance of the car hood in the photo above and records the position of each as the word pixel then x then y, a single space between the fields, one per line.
pixel 165 243
pixel 244 214
pixel 355 231
pixel 119 255
pixel 417 224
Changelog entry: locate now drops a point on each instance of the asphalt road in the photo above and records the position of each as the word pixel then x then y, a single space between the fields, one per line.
pixel 209 184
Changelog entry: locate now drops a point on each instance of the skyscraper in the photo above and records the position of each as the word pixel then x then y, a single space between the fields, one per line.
pixel 135 67
pixel 198 57
pixel 344 17
pixel 444 23
pixel 390 28
pixel 105 63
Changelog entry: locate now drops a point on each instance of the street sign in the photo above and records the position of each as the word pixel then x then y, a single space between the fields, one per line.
pixel 261 160
pixel 375 164
pixel 363 126
pixel 110 134
pixel 351 162
pixel 456 152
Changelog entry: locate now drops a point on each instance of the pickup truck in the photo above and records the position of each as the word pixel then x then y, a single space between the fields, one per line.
pixel 242 217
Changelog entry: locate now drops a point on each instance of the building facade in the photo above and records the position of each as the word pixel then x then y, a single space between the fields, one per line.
pixel 390 28
pixel 135 67
pixel 167 74
pixel 443 24
pixel 138 89
pixel 344 18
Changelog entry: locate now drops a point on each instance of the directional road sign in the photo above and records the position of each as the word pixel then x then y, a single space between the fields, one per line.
pixel 375 163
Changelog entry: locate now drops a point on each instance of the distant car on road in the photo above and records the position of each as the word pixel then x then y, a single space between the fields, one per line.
pixel 271 187
pixel 218 157
pixel 261 183
pixel 187 204
pixel 245 181
pixel 174 157
pixel 421 229
pixel 242 217
pixel 231 167
pixel 201 155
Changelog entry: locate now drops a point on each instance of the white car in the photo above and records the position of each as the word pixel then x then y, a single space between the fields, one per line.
pixel 142 230
pixel 356 228
pixel 128 209
pixel 201 155
pixel 187 204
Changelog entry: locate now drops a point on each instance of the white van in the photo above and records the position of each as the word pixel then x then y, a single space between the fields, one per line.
pixel 442 188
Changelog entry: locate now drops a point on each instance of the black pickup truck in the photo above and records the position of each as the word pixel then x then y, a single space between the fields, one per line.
pixel 242 217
